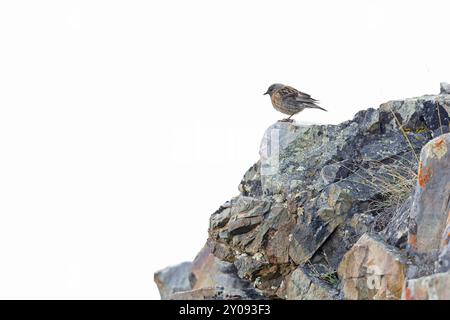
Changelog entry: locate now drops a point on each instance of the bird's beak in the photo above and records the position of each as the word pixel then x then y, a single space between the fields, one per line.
pixel 267 92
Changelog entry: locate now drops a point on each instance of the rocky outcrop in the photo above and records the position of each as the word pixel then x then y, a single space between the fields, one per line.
pixel 206 278
pixel 324 198
pixel 431 204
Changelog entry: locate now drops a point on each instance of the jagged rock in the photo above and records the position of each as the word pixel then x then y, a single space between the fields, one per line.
pixel 315 190
pixel 249 266
pixel 330 212
pixel 372 134
pixel 223 251
pixel 258 238
pixel 396 231
pixel 445 88
pixel 240 228
pixel 431 206
pixel 207 277
pixel 334 172
pixel 434 287
pixel 274 142
pixel 372 270
pixel 250 184
pixel 246 213
pixel 300 286
pixel 279 226
pixel 314 227
pixel 208 271
pixel 221 216
pixel 173 279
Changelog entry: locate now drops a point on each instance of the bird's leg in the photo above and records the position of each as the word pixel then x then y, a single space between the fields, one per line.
pixel 288 119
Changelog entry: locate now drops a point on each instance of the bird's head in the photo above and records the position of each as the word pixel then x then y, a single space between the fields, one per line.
pixel 274 88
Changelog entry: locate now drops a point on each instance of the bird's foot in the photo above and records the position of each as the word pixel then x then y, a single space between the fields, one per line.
pixel 286 120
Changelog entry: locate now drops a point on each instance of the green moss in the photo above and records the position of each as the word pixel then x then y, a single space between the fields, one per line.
pixel 421 129
pixel 418 130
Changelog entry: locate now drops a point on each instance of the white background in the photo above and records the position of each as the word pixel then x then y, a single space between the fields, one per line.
pixel 125 124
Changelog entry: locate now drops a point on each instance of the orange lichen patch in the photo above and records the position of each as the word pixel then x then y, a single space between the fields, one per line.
pixel 424 175
pixel 438 143
pixel 439 148
pixel 446 239
pixel 408 294
pixel 412 240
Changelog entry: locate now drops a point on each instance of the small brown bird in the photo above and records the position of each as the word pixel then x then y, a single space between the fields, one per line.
pixel 289 100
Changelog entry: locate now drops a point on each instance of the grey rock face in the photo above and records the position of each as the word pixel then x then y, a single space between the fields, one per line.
pixel 207 277
pixel 173 279
pixel 251 182
pixel 299 285
pixel 445 88
pixel 208 271
pixel 430 211
pixel 257 239
pixel 396 231
pixel 315 190
pixel 434 287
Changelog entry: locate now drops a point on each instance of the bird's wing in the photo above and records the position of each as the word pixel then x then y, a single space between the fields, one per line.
pixel 290 94
pixel 287 91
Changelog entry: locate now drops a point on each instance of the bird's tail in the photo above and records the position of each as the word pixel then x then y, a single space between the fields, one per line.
pixel 315 106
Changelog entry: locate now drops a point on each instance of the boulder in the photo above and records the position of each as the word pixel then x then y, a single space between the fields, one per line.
pixel 445 88
pixel 173 279
pixel 207 277
pixel 433 287
pixel 431 207
pixel 299 285
pixel 208 271
pixel 396 231
pixel 256 239
pixel 372 270
pixel 318 222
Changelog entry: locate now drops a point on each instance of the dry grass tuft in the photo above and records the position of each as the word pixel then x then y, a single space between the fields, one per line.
pixel 394 182
pixel 324 273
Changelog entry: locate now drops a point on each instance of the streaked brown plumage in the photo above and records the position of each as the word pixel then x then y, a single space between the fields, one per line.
pixel 289 100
